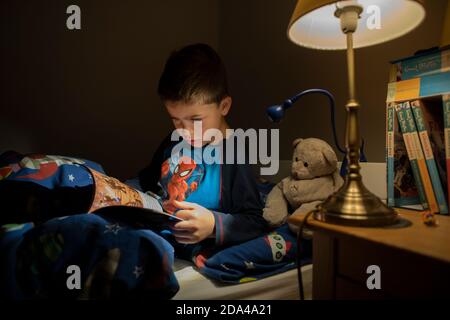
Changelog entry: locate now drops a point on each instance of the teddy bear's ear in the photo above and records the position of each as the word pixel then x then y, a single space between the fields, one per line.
pixel 330 157
pixel 296 142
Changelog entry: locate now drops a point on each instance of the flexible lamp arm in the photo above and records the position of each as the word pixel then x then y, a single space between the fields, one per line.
pixel 276 113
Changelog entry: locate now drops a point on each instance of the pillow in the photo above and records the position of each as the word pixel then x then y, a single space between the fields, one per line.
pixel 255 259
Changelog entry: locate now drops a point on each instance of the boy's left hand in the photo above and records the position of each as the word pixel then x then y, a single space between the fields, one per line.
pixel 198 225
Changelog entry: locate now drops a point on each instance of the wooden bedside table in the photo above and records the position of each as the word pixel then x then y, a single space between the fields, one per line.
pixel 414 260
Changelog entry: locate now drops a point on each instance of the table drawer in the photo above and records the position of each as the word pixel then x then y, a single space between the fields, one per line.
pixel 403 274
pixel 346 289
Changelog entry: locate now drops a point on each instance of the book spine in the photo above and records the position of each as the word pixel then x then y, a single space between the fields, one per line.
pixel 446 106
pixel 423 170
pixel 390 118
pixel 416 88
pixel 394 73
pixel 411 154
pixel 405 189
pixel 414 67
pixel 416 107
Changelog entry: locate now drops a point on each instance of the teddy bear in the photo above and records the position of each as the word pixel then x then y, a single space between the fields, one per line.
pixel 314 177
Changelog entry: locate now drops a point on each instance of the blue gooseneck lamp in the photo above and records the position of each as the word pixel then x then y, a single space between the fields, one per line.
pixel 276 114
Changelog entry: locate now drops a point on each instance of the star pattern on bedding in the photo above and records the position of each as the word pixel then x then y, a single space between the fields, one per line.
pixel 138 271
pixel 224 266
pixel 34 260
pixel 258 258
pixel 113 228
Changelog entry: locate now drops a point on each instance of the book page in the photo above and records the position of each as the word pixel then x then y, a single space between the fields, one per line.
pixel 111 192
pixel 124 203
pixel 150 202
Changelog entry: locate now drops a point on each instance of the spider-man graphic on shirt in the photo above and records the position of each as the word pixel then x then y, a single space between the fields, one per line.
pixel 179 179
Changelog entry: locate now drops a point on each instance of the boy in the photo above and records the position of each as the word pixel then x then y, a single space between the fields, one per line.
pixel 220 203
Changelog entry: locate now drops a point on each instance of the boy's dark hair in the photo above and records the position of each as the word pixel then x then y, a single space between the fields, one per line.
pixel 195 72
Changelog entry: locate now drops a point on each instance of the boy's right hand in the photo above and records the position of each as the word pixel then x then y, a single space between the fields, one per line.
pixel 198 223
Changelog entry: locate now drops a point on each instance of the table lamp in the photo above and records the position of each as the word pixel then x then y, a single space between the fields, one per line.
pixel 348 24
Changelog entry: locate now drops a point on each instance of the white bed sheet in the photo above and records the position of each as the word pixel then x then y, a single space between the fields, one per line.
pixel 283 286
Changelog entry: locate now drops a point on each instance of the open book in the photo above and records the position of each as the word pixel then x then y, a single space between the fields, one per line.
pixel 116 199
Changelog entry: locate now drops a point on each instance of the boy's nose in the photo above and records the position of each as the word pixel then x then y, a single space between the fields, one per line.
pixel 186 132
pixel 189 127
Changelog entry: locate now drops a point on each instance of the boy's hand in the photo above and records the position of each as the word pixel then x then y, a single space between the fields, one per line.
pixel 198 225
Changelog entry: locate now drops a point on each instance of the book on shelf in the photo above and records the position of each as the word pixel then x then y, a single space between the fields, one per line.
pixel 427 122
pixel 418 88
pixel 432 61
pixel 115 199
pixel 411 151
pixel 418 93
pixel 401 188
pixel 446 123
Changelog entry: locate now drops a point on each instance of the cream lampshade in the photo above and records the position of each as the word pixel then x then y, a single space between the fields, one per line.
pixel 314 25
pixel 349 24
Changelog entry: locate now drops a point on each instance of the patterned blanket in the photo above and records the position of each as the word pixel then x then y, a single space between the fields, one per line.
pixel 50 246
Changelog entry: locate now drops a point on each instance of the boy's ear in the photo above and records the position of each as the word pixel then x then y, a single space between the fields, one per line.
pixel 225 105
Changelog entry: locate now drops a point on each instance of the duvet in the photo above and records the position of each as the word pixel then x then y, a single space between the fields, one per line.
pixel 65 253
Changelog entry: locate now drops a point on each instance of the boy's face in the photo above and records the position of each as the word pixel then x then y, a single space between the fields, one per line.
pixel 211 115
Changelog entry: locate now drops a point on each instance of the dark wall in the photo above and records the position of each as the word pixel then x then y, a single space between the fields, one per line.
pixel 92 93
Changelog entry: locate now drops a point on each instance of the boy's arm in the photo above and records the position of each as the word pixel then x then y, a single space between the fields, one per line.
pixel 241 216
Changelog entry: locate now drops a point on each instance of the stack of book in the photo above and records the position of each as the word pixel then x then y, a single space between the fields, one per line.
pixel 418 132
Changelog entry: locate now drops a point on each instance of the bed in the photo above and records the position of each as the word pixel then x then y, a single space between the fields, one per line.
pixel 180 280
pixel 283 286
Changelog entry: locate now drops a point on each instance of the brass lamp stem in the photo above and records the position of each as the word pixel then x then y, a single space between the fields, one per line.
pixel 350 66
pixel 352 128
pixel 353 204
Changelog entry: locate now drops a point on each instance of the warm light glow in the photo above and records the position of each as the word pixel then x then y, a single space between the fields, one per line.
pixel 320 29
pixel 345 3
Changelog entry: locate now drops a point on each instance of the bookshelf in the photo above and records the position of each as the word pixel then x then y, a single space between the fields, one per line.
pixel 418 132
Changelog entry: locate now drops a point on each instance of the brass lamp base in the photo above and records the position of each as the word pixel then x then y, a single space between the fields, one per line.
pixel 354 205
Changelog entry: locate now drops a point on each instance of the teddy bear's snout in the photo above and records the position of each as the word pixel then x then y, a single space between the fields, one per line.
pixel 301 173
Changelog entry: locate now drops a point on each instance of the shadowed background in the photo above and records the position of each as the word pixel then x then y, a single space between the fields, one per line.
pixel 91 93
